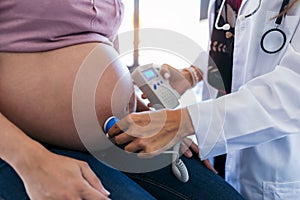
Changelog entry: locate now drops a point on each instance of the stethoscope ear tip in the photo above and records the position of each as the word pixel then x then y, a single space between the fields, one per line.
pixel 242 17
pixel 226 27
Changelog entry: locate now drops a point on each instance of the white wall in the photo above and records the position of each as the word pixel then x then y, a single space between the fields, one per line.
pixel 181 16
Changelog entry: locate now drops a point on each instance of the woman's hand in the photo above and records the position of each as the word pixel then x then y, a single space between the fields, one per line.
pixel 150 133
pixel 51 176
pixel 47 175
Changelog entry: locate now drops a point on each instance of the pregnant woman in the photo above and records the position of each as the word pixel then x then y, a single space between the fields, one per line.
pixel 42 46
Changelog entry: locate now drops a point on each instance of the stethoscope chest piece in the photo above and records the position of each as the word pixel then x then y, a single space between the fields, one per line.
pixel 273 41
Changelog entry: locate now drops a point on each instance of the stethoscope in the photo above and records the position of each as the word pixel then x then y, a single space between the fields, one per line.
pixel 272 40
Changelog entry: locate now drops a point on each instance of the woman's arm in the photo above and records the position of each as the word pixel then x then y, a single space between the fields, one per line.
pixel 47 175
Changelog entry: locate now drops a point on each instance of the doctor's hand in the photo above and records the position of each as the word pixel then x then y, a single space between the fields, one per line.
pixel 152 132
pixel 190 149
pixel 181 80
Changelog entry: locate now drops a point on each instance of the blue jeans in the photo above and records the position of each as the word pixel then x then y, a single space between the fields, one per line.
pixel 203 184
pixel 160 184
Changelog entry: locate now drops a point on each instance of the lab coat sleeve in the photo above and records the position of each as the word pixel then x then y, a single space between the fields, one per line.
pixel 264 109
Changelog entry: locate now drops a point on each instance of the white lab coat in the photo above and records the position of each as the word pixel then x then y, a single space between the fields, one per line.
pixel 258 125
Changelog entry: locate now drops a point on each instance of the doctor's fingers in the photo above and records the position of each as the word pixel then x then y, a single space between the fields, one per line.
pixel 192 145
pixel 185 150
pixel 170 73
pixel 123 138
pixel 165 72
pixel 153 143
pixel 143 96
pixel 209 166
pixel 144 147
pixel 130 124
pixel 189 148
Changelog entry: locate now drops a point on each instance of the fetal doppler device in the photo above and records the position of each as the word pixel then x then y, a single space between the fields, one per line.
pixel 161 95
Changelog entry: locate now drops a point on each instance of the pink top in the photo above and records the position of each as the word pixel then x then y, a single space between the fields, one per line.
pixel 41 25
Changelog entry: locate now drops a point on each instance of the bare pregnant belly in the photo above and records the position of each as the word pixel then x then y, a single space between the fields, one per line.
pixel 36 91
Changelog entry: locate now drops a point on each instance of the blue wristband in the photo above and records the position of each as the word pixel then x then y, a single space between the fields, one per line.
pixel 109 123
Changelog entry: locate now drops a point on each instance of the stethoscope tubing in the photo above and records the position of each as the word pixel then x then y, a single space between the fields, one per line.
pixel 277 22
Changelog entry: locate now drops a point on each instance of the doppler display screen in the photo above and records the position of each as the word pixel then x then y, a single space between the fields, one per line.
pixel 149 74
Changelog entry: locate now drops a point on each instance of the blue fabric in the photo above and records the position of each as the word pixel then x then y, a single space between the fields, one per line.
pixel 118 184
pixel 203 184
pixel 161 184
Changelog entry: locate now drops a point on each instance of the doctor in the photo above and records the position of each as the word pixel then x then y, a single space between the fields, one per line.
pixel 258 124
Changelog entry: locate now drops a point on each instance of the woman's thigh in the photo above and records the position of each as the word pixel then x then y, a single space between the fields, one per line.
pixel 119 185
pixel 203 184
